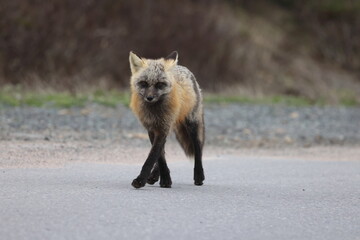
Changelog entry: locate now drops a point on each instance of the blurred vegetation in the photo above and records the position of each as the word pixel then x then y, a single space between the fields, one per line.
pixel 298 49
pixel 18 96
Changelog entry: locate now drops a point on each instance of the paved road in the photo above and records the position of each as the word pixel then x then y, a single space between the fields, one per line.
pixel 242 199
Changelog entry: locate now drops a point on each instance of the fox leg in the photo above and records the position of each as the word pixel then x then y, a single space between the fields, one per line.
pixel 193 130
pixel 198 169
pixel 165 179
pixel 160 169
pixel 155 153
pixel 154 175
pixel 155 172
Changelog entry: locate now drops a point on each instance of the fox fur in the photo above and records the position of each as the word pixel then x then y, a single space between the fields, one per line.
pixel 166 97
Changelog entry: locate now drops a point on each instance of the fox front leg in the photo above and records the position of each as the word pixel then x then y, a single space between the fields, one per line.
pixel 154 155
pixel 155 172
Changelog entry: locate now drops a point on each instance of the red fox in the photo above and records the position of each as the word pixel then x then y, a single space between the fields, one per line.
pixel 165 96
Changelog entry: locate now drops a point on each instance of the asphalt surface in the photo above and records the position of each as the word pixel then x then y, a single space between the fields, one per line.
pixel 243 198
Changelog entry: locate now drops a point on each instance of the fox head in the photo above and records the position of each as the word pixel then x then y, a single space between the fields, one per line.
pixel 150 78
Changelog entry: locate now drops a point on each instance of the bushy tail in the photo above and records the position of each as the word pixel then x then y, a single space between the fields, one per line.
pixel 189 134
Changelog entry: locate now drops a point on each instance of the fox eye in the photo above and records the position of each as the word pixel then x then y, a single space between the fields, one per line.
pixel 143 84
pixel 160 85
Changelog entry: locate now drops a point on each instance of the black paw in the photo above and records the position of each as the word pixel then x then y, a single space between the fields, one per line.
pixel 152 179
pixel 138 183
pixel 165 182
pixel 199 178
pixel 198 182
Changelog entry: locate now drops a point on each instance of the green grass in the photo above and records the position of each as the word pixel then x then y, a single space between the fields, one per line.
pixel 15 96
pixel 279 100
pixel 348 98
pixel 111 98
pixel 19 97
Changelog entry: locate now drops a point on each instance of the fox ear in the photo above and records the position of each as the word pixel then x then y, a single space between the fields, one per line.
pixel 173 56
pixel 172 59
pixel 135 62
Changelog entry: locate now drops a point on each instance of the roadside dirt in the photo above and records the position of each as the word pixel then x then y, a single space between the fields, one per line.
pixel 28 154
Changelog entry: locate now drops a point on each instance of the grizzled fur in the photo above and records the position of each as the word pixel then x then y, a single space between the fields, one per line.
pixel 166 97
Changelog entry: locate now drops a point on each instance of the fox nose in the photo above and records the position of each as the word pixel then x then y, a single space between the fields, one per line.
pixel 150 98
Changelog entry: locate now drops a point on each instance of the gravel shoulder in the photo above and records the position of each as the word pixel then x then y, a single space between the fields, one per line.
pixel 94 133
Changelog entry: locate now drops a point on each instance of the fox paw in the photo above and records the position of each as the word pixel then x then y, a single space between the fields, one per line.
pixel 154 176
pixel 152 179
pixel 165 182
pixel 138 183
pixel 199 179
pixel 198 182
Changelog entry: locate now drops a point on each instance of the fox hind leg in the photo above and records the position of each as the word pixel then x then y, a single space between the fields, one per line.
pixel 194 132
pixel 190 135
